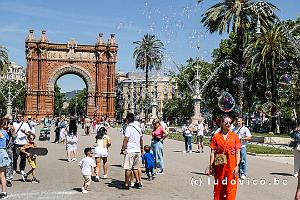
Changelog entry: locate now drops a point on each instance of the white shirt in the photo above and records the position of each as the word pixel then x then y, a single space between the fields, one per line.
pixel 134 134
pixel 163 124
pixel 242 133
pixel 32 124
pixel 21 138
pixel 200 130
pixel 187 130
pixel 86 165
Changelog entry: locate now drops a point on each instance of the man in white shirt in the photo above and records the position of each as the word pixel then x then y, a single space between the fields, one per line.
pixel 31 124
pixel 188 132
pixel 133 145
pixel 21 129
pixel 200 135
pixel 244 134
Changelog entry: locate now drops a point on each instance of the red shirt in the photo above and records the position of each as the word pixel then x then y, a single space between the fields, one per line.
pixel 158 133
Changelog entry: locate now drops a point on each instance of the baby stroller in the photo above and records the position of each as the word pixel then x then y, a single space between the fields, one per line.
pixel 44 134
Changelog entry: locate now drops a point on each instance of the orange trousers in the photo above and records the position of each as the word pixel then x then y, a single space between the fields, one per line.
pixel 225 185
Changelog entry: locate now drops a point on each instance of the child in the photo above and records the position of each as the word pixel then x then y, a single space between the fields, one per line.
pixel 86 165
pixel 31 158
pixel 72 140
pixel 148 160
pixel 101 151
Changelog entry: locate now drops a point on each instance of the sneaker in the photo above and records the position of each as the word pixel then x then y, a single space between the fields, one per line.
pixel 296 174
pixel 74 159
pixel 132 184
pixel 97 179
pixel 14 172
pixel 69 159
pixel 190 151
pixel 153 176
pixel 243 177
pixel 104 176
pixel 84 191
pixel 34 180
pixel 202 151
pixel 3 195
pixel 8 183
pixel 138 185
pixel 24 177
pixel 160 172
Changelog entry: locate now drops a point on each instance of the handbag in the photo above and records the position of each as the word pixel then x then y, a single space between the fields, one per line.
pixel 220 158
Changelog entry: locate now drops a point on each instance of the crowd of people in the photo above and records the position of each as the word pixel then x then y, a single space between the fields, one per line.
pixel 228 156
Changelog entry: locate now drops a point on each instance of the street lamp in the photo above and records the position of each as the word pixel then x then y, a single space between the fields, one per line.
pixel 76 103
pixel 197 89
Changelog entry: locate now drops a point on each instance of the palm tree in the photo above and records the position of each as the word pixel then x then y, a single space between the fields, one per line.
pixel 148 54
pixel 3 60
pixel 264 54
pixel 236 16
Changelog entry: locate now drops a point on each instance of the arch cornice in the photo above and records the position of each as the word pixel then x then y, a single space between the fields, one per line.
pixel 72 69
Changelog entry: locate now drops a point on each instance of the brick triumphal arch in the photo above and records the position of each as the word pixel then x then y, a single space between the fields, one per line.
pixel 47 62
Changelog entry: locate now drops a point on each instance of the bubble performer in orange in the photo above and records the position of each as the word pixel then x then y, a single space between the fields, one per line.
pixel 224 161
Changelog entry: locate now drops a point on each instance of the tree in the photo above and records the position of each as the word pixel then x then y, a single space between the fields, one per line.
pixel 148 54
pixel 4 61
pixel 58 100
pixel 236 16
pixel 79 101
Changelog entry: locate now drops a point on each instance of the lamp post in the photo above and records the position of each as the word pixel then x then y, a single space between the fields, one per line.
pixel 10 97
pixel 197 89
pixel 76 103
pixel 263 7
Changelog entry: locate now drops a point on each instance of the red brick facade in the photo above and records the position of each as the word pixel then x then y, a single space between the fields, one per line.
pixel 47 62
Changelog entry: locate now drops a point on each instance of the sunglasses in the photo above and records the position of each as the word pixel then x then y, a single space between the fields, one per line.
pixel 19 116
pixel 227 122
pixel 31 138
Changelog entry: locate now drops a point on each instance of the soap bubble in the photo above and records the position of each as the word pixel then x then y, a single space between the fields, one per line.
pixel 283 64
pixel 270 109
pixel 226 102
pixel 285 79
pixel 237 110
pixel 268 94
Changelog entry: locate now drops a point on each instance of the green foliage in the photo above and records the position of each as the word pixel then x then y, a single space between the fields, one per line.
pixel 148 54
pixel 4 61
pixel 58 100
pixel 18 95
pixel 79 101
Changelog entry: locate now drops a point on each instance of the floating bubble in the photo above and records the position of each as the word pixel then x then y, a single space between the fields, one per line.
pixel 226 102
pixel 283 64
pixel 269 108
pixel 284 97
pixel 285 79
pixel 179 24
pixel 237 110
pixel 268 94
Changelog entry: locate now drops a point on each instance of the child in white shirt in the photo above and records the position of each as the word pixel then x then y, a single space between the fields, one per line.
pixel 86 166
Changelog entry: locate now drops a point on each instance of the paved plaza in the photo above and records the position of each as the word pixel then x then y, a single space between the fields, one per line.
pixel 182 179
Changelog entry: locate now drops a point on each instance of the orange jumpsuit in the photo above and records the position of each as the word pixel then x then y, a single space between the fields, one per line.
pixel 225 190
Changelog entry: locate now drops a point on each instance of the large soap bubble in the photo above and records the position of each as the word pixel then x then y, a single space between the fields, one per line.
pixel 226 102
pixel 268 95
pixel 270 109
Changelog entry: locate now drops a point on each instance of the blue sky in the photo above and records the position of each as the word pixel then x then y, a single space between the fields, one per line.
pixel 175 22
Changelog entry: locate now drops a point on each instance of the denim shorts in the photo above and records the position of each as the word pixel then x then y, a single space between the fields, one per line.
pixel 4 159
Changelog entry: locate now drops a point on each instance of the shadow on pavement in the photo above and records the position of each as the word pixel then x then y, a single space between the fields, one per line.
pixel 63 159
pixel 115 183
pixel 177 151
pixel 77 189
pixel 281 174
pixel 116 165
pixel 199 173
